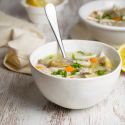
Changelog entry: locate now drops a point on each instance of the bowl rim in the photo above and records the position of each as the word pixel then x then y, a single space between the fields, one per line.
pixel 78 79
pixel 92 23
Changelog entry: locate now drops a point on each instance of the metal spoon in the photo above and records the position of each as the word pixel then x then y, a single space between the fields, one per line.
pixel 52 18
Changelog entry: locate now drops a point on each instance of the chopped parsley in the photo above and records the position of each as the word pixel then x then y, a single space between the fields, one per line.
pixel 101 72
pixel 107 15
pixel 77 65
pixel 81 52
pixel 63 73
pixel 74 72
pixel 73 56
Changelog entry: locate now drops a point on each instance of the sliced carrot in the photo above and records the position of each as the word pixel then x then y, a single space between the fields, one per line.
pixel 117 18
pixel 69 69
pixel 39 67
pixel 94 60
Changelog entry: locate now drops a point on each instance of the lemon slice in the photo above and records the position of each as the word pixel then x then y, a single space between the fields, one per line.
pixel 37 3
pixel 122 54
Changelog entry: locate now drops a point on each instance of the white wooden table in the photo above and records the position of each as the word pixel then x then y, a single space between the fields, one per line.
pixel 21 103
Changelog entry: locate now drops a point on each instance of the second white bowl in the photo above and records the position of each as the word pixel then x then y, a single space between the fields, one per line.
pixel 112 35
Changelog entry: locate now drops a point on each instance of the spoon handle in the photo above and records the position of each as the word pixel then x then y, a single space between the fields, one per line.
pixel 52 18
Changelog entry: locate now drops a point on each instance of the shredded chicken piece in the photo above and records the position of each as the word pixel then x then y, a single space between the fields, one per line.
pixel 85 63
pixel 84 71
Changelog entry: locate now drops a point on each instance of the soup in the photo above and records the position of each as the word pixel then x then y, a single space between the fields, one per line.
pixel 83 65
pixel 111 17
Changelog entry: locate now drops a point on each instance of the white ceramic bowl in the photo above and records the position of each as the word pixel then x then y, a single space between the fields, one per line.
pixel 76 93
pixel 37 14
pixel 112 35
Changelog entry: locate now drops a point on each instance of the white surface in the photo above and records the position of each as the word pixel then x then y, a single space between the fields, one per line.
pixel 80 31
pixel 21 103
pixel 109 34
pixel 76 93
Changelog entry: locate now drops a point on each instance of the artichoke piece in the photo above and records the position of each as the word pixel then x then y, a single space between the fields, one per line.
pixel 104 60
pixel 58 63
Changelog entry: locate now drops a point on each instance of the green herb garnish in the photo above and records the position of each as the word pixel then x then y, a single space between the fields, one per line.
pixel 74 72
pixel 73 56
pixel 77 65
pixel 81 52
pixel 106 15
pixel 101 72
pixel 98 17
pixel 123 17
pixel 60 72
pixel 64 74
pixel 50 57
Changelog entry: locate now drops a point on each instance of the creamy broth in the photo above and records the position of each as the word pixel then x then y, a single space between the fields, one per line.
pixel 84 65
pixel 112 17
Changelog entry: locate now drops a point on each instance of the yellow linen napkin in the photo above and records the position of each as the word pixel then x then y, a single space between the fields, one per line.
pixel 21 38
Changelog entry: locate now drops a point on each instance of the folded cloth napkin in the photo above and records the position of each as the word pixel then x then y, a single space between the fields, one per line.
pixel 21 38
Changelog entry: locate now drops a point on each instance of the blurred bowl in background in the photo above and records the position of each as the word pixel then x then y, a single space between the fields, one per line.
pixel 37 14
pixel 112 35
